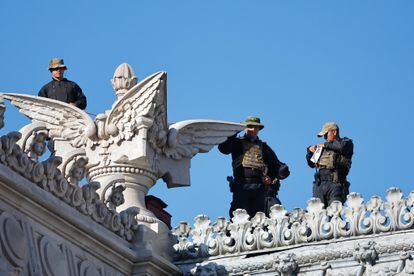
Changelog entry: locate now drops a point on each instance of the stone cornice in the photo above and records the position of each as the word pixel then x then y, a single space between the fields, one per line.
pixel 282 229
pixel 46 209
pixel 375 254
pixel 46 175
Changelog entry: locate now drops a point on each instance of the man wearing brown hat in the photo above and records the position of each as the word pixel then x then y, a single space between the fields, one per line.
pixel 62 89
pixel 332 163
pixel 256 170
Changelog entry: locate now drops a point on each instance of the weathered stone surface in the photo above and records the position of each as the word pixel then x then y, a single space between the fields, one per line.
pixel 40 234
pixel 51 225
pixel 381 254
pixel 356 239
pixel 132 143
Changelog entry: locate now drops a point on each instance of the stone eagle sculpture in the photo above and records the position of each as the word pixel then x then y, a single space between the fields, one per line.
pixel 133 141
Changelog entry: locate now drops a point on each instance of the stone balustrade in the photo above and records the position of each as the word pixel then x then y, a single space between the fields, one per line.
pixel 52 225
pixel 46 175
pixel 315 223
pixel 353 236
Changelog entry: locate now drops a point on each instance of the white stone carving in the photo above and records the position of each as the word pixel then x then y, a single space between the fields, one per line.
pixel 318 258
pixel 285 264
pixel 75 169
pixel 53 259
pixel 123 80
pixel 115 197
pixel 210 269
pixel 299 226
pixel 33 140
pixel 48 176
pixel 13 242
pixel 131 143
pixel 88 269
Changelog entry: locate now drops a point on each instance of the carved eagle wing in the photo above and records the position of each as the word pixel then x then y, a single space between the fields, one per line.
pixel 143 103
pixel 61 119
pixel 187 138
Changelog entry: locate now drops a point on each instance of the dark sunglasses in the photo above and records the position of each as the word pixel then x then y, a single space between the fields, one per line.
pixel 55 69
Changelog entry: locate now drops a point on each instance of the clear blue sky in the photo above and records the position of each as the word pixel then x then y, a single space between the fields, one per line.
pixel 296 64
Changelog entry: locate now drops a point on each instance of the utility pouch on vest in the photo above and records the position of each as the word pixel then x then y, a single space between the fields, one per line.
pixel 332 177
pixel 327 160
pixel 252 156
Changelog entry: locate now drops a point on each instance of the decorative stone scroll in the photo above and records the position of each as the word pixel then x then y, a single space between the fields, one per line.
pixel 328 263
pixel 244 234
pixel 132 142
pixel 48 176
pixel 14 250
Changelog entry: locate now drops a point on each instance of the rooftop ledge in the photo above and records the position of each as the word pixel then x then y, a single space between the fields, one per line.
pixel 356 239
pixel 122 158
pixel 244 235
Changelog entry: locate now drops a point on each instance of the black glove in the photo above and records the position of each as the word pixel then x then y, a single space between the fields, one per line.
pixel 283 171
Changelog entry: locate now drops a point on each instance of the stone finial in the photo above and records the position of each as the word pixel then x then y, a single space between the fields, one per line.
pixel 123 80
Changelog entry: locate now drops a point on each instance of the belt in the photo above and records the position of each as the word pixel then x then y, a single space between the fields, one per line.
pixel 332 176
pixel 326 177
pixel 248 180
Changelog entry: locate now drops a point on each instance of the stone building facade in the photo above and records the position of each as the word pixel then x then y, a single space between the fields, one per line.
pixel 50 224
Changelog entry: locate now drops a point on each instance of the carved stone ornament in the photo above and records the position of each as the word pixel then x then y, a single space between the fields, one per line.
pixel 131 143
pixel 210 269
pixel 48 176
pixel 53 259
pixel 123 80
pixel 115 197
pixel 244 234
pixel 88 269
pixel 14 245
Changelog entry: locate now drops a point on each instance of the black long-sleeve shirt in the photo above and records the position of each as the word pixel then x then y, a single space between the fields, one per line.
pixel 343 146
pixel 65 91
pixel 276 168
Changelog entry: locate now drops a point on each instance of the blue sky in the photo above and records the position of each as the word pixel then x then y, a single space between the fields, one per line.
pixel 295 64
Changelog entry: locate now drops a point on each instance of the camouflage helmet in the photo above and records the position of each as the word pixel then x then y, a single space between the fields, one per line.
pixel 327 127
pixel 252 121
pixel 56 63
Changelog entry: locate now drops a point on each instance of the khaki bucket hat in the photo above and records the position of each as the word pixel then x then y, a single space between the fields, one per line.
pixel 57 63
pixel 327 127
pixel 252 121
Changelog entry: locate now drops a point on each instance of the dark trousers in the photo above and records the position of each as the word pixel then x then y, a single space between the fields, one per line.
pixel 250 197
pixel 269 202
pixel 328 191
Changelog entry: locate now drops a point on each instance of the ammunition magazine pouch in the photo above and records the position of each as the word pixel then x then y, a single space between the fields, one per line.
pixel 252 156
pixel 334 177
pixel 328 177
pixel 327 160
pixel 334 161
